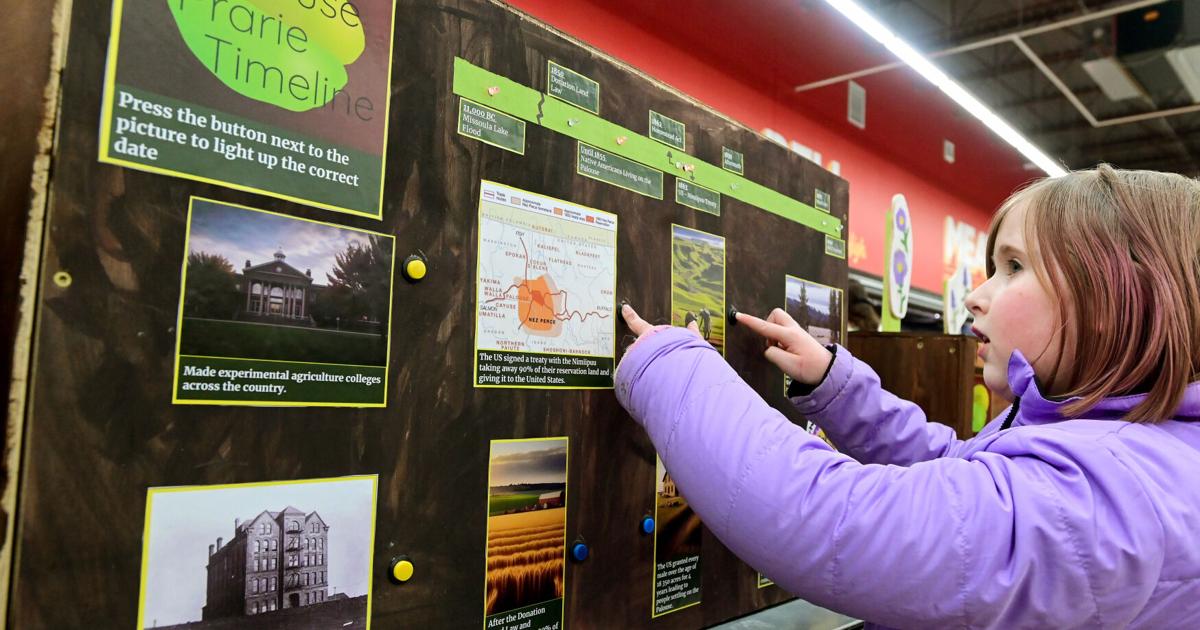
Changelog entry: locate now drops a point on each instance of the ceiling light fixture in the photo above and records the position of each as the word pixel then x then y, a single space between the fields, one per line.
pixel 882 34
pixel 1113 79
pixel 1186 63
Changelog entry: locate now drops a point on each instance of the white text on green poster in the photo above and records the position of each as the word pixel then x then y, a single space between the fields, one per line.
pixel 821 200
pixel 572 87
pixel 697 197
pixel 192 91
pixel 835 247
pixel 618 171
pixel 491 127
pixel 733 161
pixel 668 131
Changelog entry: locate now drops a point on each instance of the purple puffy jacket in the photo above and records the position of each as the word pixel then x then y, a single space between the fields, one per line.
pixel 1047 524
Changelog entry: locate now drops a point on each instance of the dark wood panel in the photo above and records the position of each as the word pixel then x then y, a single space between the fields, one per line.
pixel 937 372
pixel 102 427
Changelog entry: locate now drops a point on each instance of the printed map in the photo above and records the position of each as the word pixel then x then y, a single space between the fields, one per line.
pixel 547 275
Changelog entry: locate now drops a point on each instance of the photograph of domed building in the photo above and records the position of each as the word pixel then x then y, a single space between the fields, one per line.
pixel 275 289
pixel 305 291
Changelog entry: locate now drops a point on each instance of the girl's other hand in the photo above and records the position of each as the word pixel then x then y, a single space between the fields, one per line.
pixel 790 348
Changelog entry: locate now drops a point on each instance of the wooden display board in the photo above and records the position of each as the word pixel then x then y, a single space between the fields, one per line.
pixel 314 416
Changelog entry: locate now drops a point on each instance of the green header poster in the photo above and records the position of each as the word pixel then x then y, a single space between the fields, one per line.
pixel 290 102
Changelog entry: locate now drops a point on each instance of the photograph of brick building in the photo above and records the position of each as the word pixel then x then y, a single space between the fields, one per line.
pixel 292 555
pixel 275 560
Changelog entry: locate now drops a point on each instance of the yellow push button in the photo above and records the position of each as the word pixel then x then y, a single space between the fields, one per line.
pixel 415 268
pixel 402 570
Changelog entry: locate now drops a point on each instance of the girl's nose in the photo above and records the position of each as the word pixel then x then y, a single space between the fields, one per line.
pixel 976 301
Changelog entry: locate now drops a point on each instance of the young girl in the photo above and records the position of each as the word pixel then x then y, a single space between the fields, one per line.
pixel 1078 507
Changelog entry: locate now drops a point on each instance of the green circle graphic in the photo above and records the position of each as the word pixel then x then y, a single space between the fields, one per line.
pixel 289 53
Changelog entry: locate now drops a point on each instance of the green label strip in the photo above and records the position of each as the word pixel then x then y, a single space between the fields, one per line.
pixel 668 131
pixel 821 200
pixel 572 87
pixel 613 169
pixel 733 161
pixel 835 247
pixel 697 197
pixel 490 126
pixel 528 104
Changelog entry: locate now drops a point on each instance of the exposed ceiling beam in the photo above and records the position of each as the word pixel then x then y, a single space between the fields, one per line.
pixel 1150 141
pixel 1045 98
pixel 1074 126
pixel 1161 163
pixel 1021 64
pixel 1027 15
pixel 1032 14
pixel 984 43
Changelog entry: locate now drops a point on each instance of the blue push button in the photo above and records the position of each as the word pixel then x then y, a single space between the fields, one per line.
pixel 579 552
pixel 647 524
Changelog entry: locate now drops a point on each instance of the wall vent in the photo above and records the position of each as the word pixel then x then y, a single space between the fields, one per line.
pixel 856 105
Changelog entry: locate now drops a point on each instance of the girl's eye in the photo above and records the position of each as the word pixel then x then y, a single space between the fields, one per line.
pixel 1013 266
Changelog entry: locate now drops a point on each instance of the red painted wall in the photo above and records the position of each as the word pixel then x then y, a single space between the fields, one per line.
pixel 873 176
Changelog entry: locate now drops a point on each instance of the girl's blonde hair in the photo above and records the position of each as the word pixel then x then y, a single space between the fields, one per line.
pixel 1121 251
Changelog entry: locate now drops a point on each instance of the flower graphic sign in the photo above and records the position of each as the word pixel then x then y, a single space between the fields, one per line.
pixel 954 300
pixel 898 275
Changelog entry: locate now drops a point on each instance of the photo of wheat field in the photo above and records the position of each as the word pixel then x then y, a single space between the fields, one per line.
pixel 527 523
pixel 698 283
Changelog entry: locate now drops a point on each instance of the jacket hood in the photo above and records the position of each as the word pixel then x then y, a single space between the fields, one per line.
pixel 1037 409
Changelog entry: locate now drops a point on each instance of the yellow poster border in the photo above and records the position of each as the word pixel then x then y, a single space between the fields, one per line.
pixel 478 262
pixel 724 278
pixel 106 111
pixel 187 238
pixel 152 491
pixel 487 532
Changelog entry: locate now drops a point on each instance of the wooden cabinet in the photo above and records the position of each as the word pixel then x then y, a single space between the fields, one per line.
pixel 935 371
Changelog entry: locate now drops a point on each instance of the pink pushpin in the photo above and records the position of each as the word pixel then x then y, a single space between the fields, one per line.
pixel 494 90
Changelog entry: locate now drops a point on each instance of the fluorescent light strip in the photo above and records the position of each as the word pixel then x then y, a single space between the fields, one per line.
pixel 882 34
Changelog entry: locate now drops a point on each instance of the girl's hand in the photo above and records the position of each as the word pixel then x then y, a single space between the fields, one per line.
pixel 642 328
pixel 791 348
